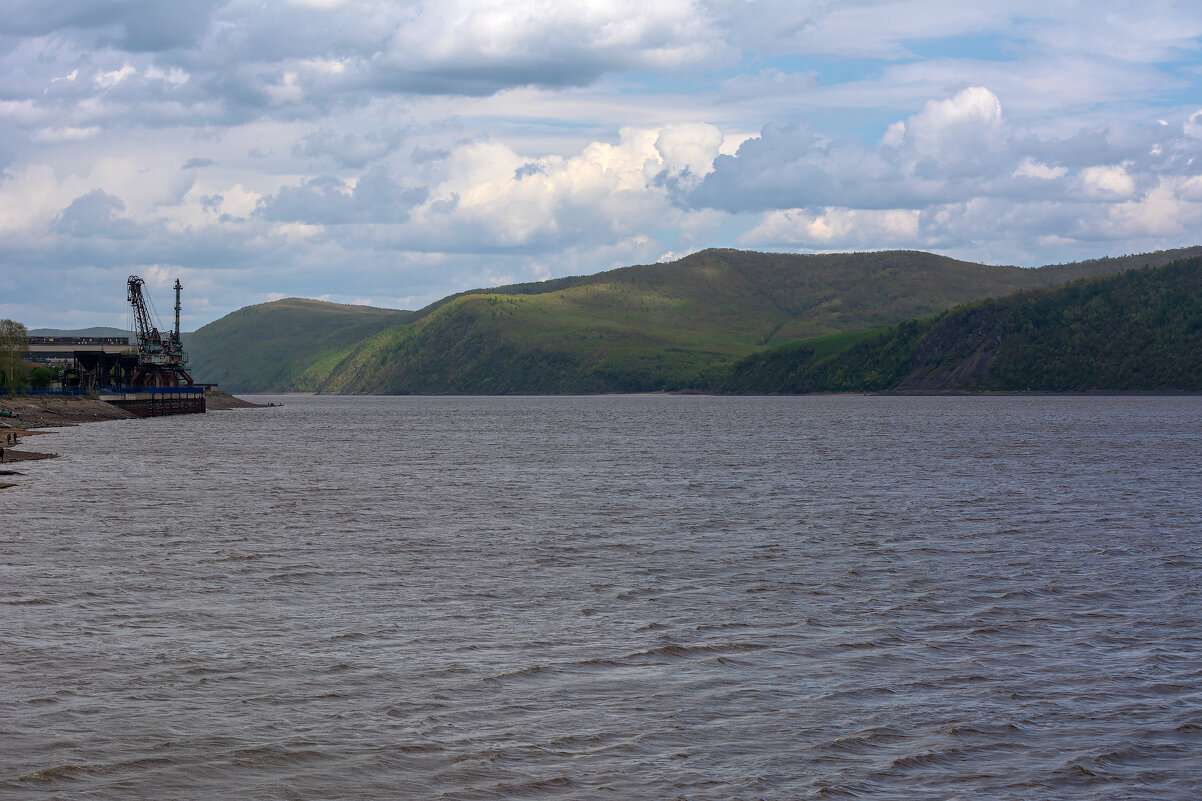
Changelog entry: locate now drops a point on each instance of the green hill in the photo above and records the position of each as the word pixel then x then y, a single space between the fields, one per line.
pixel 662 326
pixel 1140 330
pixel 667 326
pixel 281 346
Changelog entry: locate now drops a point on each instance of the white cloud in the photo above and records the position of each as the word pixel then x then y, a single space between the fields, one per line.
pixel 288 90
pixel 1193 126
pixel 835 228
pixel 1170 207
pixel 963 128
pixel 68 134
pixel 1030 168
pixel 940 152
pixel 465 46
pixel 297 231
pixel 508 200
pixel 29 198
pixel 324 65
pixel 975 109
pixel 689 148
pixel 895 134
pixel 238 201
pixel 22 112
pixel 1111 181
pixel 174 76
pixel 109 79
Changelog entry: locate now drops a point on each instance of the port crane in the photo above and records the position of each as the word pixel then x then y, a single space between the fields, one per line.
pixel 161 359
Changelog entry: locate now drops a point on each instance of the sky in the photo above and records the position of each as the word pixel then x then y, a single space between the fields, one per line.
pixel 391 153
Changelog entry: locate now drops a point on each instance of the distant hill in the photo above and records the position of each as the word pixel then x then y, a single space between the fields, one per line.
pixel 285 345
pixel 98 331
pixel 1140 330
pixel 661 326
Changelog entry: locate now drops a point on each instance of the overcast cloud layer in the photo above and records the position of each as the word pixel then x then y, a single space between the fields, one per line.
pixel 392 153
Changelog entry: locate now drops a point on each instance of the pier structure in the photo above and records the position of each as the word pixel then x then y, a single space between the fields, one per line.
pixel 157 401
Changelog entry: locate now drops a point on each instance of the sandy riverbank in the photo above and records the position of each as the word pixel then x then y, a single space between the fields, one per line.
pixel 44 411
pixel 10 438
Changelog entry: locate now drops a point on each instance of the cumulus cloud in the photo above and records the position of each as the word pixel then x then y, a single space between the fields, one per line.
pixel 489 197
pixel 464 47
pixel 349 149
pixel 687 151
pixel 936 153
pixel 95 214
pixel 959 135
pixel 441 145
pixel 952 149
pixel 485 197
pixel 68 133
pixel 1171 207
pixel 1193 126
pixel 954 174
pixel 114 77
pixel 831 228
pixel 327 200
pixel 135 25
pixel 1030 168
pixel 1107 181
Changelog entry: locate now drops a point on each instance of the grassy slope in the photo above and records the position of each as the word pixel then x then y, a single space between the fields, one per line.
pixel 666 326
pixel 281 346
pixel 596 338
pixel 1139 330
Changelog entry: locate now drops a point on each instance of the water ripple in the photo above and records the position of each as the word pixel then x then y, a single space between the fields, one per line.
pixel 610 598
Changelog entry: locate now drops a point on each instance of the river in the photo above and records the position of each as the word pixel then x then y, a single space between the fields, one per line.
pixel 610 598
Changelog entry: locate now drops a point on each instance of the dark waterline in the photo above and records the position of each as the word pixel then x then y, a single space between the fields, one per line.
pixel 615 597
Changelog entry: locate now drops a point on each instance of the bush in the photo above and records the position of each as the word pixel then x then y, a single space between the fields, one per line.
pixel 41 377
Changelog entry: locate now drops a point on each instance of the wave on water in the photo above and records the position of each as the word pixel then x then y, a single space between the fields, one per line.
pixel 610 598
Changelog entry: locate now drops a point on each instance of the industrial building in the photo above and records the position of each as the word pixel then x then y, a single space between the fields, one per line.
pixel 146 378
pixel 61 351
pixel 92 362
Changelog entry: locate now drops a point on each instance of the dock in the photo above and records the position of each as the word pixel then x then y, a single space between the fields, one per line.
pixel 157 401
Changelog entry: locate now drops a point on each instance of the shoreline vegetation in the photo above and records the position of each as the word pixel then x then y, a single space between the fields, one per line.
pixel 36 413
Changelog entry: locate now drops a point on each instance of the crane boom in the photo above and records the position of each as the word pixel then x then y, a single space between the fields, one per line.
pixel 160 362
pixel 149 339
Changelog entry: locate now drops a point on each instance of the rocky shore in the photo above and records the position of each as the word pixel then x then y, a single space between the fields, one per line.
pixel 50 411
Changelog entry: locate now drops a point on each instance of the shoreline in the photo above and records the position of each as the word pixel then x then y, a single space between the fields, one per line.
pixel 40 412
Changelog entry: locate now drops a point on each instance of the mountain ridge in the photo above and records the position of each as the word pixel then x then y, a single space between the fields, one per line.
pixel 666 326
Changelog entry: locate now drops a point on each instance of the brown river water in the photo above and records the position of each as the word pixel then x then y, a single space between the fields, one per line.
pixel 610 598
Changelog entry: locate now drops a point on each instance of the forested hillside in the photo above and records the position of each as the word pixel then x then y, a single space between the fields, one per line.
pixel 1138 330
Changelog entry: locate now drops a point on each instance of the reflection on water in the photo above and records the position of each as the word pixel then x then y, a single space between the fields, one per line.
pixel 615 597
